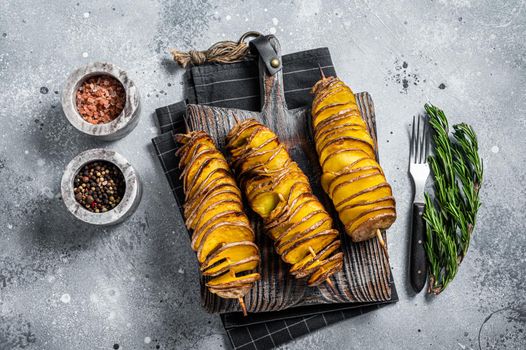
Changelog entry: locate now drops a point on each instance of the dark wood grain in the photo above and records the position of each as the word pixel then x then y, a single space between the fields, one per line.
pixel 366 271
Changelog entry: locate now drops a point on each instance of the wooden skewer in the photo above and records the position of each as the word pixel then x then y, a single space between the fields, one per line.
pixel 328 280
pixel 236 118
pixel 240 299
pixel 382 243
pixel 243 306
pixel 321 72
pixel 186 124
pixel 312 251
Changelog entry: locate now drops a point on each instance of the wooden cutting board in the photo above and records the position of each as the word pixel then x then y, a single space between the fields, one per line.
pixel 366 272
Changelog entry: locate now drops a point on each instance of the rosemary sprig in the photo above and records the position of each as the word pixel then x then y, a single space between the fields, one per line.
pixel 450 218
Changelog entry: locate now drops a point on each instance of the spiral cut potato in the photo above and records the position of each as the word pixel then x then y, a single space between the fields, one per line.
pixel 347 153
pixel 213 209
pixel 278 190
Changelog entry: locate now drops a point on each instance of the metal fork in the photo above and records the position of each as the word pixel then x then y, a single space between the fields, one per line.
pixel 419 170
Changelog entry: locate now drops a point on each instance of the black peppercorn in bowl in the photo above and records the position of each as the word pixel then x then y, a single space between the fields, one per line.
pixel 100 187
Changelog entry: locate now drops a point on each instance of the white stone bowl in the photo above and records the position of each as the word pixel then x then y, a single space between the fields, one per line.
pixel 117 128
pixel 129 202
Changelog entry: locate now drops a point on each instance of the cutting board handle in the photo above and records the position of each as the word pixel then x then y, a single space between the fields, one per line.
pixel 270 73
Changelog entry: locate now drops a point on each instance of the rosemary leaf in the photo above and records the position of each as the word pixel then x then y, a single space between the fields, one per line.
pixel 450 217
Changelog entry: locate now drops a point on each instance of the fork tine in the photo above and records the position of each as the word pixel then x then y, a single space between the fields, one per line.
pixel 418 142
pixel 412 145
pixel 423 141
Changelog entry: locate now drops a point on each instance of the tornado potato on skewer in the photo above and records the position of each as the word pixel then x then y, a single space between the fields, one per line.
pixel 221 233
pixel 280 193
pixel 352 177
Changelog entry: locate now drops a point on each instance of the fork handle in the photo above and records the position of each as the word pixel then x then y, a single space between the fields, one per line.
pixel 417 259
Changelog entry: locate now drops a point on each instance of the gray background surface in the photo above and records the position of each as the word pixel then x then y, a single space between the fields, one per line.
pixel 64 285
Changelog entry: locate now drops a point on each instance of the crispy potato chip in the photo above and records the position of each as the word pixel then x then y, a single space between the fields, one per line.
pixel 311 262
pixel 326 268
pixel 299 249
pixel 235 251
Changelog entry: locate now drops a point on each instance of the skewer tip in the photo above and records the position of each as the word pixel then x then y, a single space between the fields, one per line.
pixel 243 306
pixel 382 243
pixel 329 282
pixel 321 72
pixel 235 118
pixel 187 127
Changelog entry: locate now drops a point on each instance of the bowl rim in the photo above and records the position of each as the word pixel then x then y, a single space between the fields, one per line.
pixel 125 205
pixel 82 80
pixel 69 104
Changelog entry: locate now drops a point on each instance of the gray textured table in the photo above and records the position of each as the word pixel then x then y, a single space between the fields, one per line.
pixel 64 285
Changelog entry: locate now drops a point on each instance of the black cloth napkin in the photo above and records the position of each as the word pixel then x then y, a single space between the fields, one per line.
pixel 236 85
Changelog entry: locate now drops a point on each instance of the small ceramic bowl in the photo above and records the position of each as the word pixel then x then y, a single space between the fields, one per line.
pixel 130 200
pixel 117 128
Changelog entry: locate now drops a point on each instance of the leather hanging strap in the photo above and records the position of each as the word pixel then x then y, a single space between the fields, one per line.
pixel 268 53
